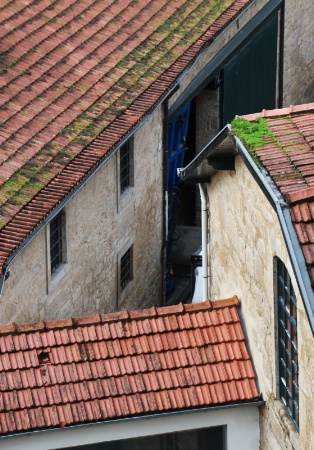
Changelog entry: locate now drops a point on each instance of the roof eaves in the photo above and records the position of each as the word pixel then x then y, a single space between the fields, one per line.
pixel 283 212
pixel 193 172
pixel 79 186
pixel 169 77
pixel 199 169
pixel 125 339
pixel 252 403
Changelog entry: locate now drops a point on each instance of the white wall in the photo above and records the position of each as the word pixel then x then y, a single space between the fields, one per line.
pixel 242 430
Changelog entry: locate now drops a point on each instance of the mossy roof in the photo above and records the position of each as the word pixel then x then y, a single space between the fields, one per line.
pixel 75 78
pixel 282 141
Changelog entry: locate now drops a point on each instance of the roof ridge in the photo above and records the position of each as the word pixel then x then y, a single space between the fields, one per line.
pixel 119 316
pixel 292 109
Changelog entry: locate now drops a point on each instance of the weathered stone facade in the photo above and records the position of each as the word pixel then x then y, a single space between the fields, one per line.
pixel 98 226
pixel 298 53
pixel 245 236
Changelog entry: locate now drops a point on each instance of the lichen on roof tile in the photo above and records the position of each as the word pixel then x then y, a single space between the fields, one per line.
pixel 65 89
pixel 283 144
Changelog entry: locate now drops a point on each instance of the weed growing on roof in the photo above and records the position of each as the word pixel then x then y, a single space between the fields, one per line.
pixel 252 134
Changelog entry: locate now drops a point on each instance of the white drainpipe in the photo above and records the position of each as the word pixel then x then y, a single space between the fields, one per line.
pixel 203 193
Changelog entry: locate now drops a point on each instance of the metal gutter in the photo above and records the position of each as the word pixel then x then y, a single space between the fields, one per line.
pixel 204 222
pixel 137 418
pixel 282 209
pixel 276 200
pixel 171 114
pixel 209 149
pixel 63 203
pixel 218 61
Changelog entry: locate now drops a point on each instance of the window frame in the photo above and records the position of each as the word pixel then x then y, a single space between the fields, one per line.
pixel 56 273
pixel 126 268
pixel 126 166
pixel 56 243
pixel 287 342
pixel 124 289
pixel 125 189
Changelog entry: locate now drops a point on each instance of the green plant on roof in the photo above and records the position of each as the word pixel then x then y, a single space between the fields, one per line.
pixel 253 134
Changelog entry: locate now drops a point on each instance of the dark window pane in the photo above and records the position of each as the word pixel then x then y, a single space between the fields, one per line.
pixel 126 269
pixel 125 167
pixel 55 243
pixel 203 439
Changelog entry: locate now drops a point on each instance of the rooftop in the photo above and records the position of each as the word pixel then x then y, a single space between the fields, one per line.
pixel 124 364
pixel 75 78
pixel 287 152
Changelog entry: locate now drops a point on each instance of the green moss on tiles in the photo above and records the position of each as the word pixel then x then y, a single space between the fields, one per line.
pixel 13 63
pixel 66 129
pixel 251 133
pixel 19 200
pixel 13 183
pixel 35 186
pixel 12 186
pixel 81 141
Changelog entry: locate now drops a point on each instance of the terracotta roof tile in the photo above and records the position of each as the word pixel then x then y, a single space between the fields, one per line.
pixel 67 372
pixel 289 160
pixel 70 93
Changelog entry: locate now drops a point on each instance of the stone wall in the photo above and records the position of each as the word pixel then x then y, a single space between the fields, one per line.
pixel 245 236
pixel 98 227
pixel 218 44
pixel 207 101
pixel 299 52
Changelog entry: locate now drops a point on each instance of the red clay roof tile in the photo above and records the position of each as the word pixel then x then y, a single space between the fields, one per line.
pixel 289 160
pixel 70 93
pixel 65 380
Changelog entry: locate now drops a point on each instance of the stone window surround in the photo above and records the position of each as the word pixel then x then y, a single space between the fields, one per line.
pixel 54 278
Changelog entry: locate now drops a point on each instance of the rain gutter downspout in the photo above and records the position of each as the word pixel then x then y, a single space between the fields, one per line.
pixel 61 205
pixel 204 223
pixel 283 213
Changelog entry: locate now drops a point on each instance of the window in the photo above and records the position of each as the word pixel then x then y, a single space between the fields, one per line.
pixel 287 343
pixel 126 268
pixel 126 166
pixel 126 272
pixel 56 242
